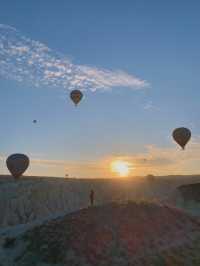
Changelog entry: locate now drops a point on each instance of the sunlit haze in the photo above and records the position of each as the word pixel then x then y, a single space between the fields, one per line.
pixel 120 167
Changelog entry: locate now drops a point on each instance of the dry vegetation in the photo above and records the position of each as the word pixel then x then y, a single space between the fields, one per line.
pixel 113 234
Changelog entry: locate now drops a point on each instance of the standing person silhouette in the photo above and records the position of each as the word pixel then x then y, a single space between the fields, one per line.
pixel 92 197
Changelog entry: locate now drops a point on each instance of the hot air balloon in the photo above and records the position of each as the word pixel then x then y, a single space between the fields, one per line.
pixel 17 164
pixel 182 135
pixel 76 96
pixel 34 121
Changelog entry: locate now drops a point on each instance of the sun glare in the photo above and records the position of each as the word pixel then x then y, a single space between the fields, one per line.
pixel 121 168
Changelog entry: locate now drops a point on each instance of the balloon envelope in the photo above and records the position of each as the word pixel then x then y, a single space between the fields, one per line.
pixel 182 135
pixel 76 96
pixel 34 121
pixel 17 164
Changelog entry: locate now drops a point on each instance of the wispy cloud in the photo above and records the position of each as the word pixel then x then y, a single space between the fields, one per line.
pixel 23 59
pixel 155 160
pixel 164 161
pixel 68 164
pixel 150 106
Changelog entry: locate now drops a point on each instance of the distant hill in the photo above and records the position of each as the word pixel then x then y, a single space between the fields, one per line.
pixel 113 234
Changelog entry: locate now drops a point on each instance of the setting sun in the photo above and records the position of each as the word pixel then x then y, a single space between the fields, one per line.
pixel 120 167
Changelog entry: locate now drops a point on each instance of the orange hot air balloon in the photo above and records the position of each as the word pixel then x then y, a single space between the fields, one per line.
pixel 76 96
pixel 182 135
pixel 17 164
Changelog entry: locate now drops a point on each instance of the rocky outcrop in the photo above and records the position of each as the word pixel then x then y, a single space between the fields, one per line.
pixel 190 192
pixel 33 198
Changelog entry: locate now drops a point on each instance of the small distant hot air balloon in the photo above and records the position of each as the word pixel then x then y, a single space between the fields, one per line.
pixel 182 135
pixel 34 121
pixel 17 164
pixel 76 96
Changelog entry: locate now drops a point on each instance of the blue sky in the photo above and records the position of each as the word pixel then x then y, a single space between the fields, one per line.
pixel 149 40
